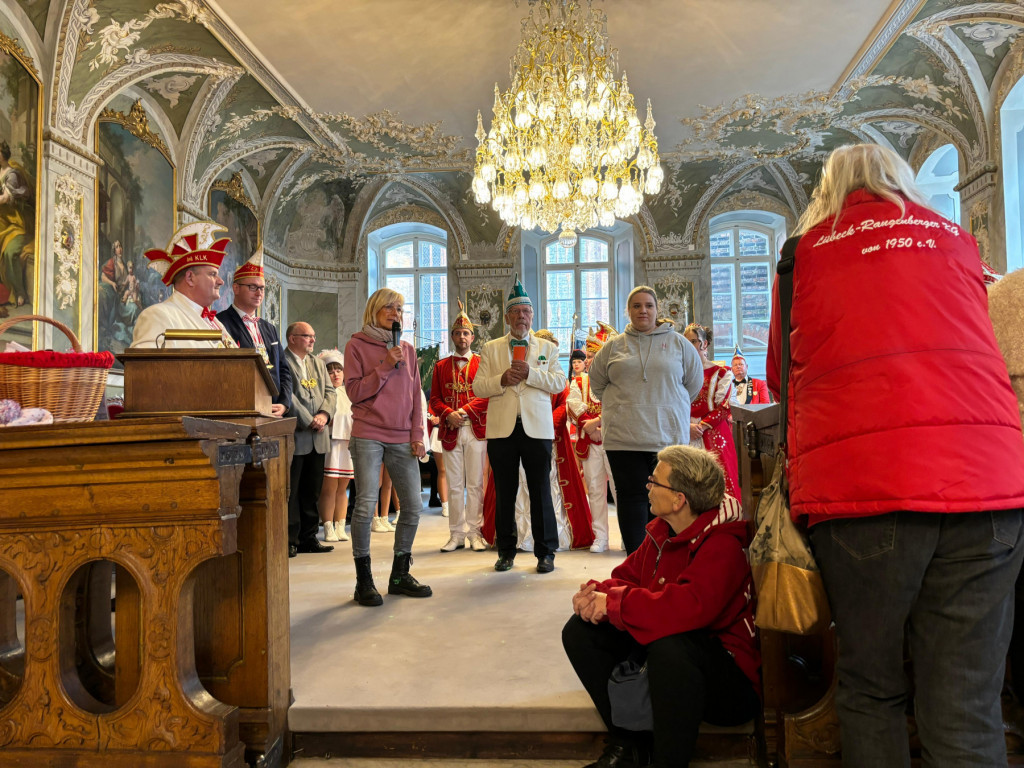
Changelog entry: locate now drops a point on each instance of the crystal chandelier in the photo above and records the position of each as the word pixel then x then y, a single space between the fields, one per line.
pixel 566 149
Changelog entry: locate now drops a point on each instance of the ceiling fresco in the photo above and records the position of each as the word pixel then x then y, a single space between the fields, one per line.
pixel 749 97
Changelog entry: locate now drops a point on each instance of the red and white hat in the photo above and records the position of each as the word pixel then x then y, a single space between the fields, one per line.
pixel 462 320
pixel 597 340
pixel 191 245
pixel 252 268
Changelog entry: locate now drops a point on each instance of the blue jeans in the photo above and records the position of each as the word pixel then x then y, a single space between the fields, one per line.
pixel 946 580
pixel 404 469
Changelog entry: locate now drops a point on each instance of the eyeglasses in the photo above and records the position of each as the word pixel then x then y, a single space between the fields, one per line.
pixel 310 336
pixel 651 481
pixel 254 288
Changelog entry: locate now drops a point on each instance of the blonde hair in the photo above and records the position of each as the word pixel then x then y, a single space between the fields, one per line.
pixel 860 166
pixel 377 301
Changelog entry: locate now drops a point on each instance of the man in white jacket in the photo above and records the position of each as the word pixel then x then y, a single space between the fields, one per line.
pixel 518 373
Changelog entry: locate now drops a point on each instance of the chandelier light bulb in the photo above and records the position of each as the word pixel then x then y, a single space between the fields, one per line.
pixel 566 150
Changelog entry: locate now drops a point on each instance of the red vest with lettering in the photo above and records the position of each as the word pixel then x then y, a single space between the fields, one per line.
pixel 899 397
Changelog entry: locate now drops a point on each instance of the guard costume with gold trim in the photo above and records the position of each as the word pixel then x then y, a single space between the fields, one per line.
pixel 194 244
pixel 465 447
pixel 583 406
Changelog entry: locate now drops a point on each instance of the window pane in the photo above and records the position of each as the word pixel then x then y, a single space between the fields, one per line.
pixel 753 243
pixel 433 327
pixel 432 254
pixel 399 256
pixel 723 305
pixel 561 306
pixel 592 250
pixel 721 244
pixel 755 290
pixel 556 254
pixel 406 285
pixel 594 304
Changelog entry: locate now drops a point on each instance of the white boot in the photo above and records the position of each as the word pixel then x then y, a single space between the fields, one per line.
pixel 444 509
pixel 379 525
pixel 339 531
pixel 388 523
pixel 329 534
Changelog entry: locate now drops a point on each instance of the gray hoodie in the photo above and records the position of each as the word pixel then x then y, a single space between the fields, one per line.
pixel 645 383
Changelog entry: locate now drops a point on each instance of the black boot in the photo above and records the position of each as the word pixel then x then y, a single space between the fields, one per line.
pixel 366 593
pixel 402 582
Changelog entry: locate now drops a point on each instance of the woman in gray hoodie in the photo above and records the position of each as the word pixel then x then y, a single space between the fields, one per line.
pixel 645 378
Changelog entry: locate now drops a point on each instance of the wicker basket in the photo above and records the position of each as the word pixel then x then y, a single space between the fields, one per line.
pixel 70 394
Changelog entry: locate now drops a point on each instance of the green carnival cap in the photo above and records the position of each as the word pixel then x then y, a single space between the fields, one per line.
pixel 517 296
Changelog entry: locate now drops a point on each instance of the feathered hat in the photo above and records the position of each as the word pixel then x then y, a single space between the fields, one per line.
pixel 252 268
pixel 547 335
pixel 332 356
pixel 191 245
pixel 738 353
pixel 597 340
pixel 462 320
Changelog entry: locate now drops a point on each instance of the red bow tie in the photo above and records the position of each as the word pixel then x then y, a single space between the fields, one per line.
pixel 463 359
pixel 209 314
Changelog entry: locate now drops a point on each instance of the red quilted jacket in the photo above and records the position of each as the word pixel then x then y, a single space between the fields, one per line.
pixel 898 396
pixel 697 579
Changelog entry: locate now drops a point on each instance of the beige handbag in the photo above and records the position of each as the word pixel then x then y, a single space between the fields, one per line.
pixel 790 593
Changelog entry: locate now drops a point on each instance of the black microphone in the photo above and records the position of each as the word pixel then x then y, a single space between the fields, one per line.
pixel 396 335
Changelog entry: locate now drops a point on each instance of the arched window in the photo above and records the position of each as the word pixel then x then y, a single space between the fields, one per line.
pixel 413 260
pixel 1011 119
pixel 744 250
pixel 576 282
pixel 938 178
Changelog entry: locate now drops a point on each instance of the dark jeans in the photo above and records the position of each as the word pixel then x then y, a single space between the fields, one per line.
pixel 946 580
pixel 307 478
pixel 505 454
pixel 630 470
pixel 692 679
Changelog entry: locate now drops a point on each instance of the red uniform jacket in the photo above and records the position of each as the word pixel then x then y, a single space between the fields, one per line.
pixel 898 396
pixel 696 579
pixel 452 389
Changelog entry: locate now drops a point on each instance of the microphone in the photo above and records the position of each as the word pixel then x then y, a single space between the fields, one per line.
pixel 396 335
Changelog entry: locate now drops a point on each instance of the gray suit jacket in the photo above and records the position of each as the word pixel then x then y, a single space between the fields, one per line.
pixel 308 399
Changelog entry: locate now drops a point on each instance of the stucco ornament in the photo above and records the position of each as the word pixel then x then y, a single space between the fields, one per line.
pixel 115 38
pixel 171 87
pixel 992 36
pixel 67 240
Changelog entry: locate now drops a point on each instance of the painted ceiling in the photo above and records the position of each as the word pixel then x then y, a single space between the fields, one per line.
pixel 749 95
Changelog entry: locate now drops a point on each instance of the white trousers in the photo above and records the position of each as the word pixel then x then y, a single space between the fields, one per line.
pixel 464 465
pixel 597 474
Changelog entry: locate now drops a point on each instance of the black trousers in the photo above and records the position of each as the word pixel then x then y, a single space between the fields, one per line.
pixel 307 478
pixel 630 470
pixel 505 454
pixel 692 679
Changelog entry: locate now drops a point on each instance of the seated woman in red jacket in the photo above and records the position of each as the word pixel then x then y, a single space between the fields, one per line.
pixel 683 600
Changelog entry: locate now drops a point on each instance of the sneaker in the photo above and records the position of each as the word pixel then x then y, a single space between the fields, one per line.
pixel 477 542
pixel 444 509
pixel 388 523
pixel 339 531
pixel 599 546
pixel 454 542
pixel 379 525
pixel 329 534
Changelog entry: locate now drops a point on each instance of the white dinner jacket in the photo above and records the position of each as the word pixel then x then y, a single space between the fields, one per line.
pixel 173 312
pixel 531 399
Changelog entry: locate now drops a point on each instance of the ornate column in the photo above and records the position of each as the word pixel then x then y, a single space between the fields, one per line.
pixel 979 191
pixel 67 241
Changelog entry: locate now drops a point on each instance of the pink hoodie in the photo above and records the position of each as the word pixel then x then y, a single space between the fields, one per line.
pixel 387 403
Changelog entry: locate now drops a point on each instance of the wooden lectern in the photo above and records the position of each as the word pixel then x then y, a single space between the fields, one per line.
pixel 198 382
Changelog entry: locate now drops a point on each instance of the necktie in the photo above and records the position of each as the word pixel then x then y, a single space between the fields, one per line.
pixel 463 359
pixel 254 329
pixel 209 314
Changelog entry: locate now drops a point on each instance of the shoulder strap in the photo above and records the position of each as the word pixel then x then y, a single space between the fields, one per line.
pixel 784 270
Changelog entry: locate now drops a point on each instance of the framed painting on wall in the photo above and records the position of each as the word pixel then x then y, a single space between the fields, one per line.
pixel 231 207
pixel 135 211
pixel 20 171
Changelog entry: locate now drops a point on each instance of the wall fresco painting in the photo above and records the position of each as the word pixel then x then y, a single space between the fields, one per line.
pixel 19 191
pixel 243 229
pixel 67 259
pixel 135 200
